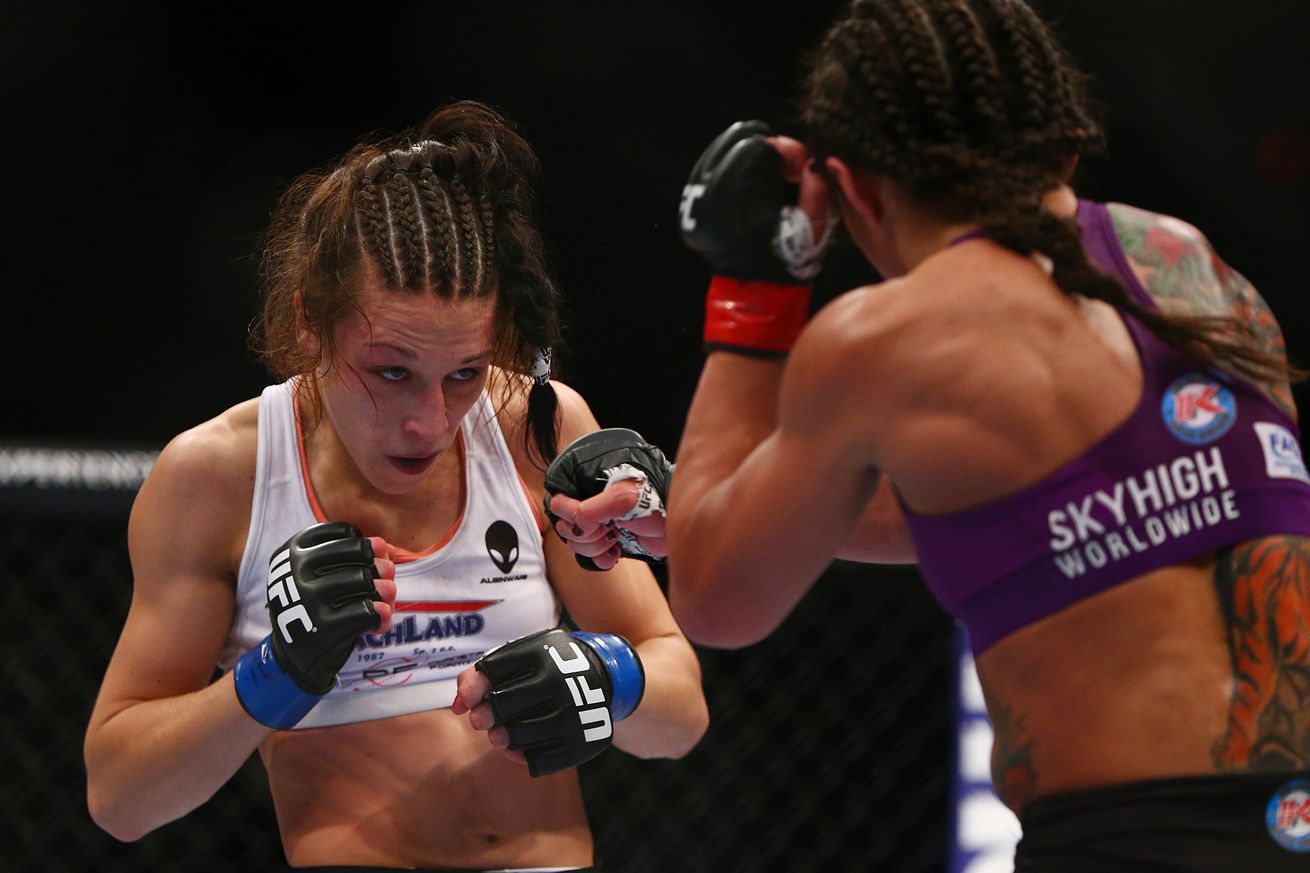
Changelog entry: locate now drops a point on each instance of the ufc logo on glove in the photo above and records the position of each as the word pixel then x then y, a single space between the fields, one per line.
pixel 282 590
pixel 557 694
pixel 584 694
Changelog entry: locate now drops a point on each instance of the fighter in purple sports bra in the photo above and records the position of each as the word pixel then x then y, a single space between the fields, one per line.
pixel 1204 461
pixel 1083 411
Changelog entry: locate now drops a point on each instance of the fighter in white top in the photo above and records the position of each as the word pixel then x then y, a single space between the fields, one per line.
pixel 406 304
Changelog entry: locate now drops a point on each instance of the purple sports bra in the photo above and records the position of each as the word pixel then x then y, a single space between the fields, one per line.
pixel 1204 461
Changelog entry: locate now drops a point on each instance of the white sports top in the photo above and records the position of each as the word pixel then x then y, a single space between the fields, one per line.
pixel 484 584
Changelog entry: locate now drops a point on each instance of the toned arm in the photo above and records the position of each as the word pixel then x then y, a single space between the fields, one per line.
pixel 162 739
pixel 748 539
pixel 672 715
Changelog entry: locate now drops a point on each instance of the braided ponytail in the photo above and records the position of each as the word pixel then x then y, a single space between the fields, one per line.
pixel 446 210
pixel 531 302
pixel 491 207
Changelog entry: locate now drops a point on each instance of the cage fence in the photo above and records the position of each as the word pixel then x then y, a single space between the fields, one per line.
pixel 831 743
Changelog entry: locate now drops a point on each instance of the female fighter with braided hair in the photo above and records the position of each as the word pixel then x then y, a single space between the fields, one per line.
pixel 1073 413
pixel 410 313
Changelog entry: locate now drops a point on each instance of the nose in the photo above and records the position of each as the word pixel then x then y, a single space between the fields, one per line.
pixel 428 420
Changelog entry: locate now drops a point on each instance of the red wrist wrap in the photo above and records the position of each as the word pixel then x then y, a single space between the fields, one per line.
pixel 758 316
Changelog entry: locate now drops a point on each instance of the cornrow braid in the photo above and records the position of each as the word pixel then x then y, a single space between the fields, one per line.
pixel 468 233
pixel 978 74
pixel 371 216
pixel 487 217
pixel 1031 96
pixel 424 229
pixel 1066 94
pixel 406 235
pixel 991 149
pixel 445 209
pixel 441 218
pixel 923 61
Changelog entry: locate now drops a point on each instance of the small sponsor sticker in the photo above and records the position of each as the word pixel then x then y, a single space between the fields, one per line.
pixel 1198 409
pixel 1288 816
pixel 1282 452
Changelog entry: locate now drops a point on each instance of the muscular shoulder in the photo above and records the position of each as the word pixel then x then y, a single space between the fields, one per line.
pixel 860 352
pixel 1174 261
pixel 895 340
pixel 200 488
pixel 216 456
pixel 1183 273
pixel 855 326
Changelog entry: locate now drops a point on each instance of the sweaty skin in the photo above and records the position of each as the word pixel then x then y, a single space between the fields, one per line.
pixel 969 378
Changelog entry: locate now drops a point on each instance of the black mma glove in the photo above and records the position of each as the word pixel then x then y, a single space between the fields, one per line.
pixel 740 213
pixel 591 462
pixel 557 694
pixel 320 599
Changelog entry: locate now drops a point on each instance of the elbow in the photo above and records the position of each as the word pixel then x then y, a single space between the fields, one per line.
pixel 677 751
pixel 693 732
pixel 719 634
pixel 114 818
pixel 714 623
pixel 112 810
pixel 702 611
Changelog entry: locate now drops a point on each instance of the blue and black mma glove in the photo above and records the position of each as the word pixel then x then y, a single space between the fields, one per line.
pixel 591 462
pixel 320 599
pixel 557 694
pixel 741 214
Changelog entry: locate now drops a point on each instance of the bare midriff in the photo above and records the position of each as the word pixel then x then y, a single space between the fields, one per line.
pixel 1132 684
pixel 421 790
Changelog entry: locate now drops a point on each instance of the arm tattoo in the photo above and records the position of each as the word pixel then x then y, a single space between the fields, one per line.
pixel 1013 773
pixel 1183 273
pixel 1264 590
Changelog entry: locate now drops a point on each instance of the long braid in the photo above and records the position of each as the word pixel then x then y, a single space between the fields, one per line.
pixel 485 178
pixel 995 146
pixel 534 310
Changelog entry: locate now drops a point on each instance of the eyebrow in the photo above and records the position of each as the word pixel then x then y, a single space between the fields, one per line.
pixel 408 355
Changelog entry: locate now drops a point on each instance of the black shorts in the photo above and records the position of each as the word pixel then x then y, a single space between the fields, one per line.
pixel 1205 824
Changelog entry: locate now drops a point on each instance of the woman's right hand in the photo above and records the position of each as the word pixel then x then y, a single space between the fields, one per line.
pixel 591 527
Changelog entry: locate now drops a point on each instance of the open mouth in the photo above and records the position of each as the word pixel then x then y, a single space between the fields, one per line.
pixel 412 466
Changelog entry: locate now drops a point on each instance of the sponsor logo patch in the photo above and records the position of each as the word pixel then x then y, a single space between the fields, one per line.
pixel 1288 816
pixel 502 545
pixel 1282 452
pixel 1198 409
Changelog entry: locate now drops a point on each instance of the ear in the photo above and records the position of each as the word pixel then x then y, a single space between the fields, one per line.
pixel 863 200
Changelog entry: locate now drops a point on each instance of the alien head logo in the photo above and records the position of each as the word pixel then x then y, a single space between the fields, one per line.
pixel 503 545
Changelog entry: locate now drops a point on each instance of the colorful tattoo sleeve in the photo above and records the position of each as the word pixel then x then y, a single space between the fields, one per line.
pixel 1264 589
pixel 1183 273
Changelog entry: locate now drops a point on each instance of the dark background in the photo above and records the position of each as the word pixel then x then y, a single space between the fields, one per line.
pixel 144 145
